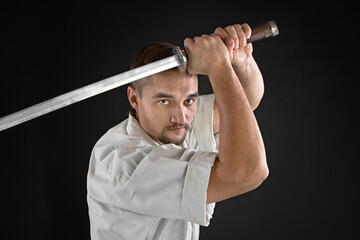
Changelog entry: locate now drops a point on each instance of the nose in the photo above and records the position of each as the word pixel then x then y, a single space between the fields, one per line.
pixel 178 114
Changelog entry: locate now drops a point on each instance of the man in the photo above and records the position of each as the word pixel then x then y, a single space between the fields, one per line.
pixel 158 174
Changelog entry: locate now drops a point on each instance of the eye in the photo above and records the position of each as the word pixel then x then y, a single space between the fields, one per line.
pixel 164 102
pixel 189 101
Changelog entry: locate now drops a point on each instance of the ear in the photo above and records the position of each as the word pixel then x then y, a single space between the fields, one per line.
pixel 132 97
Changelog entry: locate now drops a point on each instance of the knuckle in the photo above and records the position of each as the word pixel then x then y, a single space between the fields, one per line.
pixel 229 27
pixel 215 37
pixel 218 29
pixel 239 28
pixel 237 25
pixel 245 25
pixel 187 42
pixel 187 39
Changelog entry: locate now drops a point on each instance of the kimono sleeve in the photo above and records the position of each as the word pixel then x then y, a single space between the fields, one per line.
pixel 166 181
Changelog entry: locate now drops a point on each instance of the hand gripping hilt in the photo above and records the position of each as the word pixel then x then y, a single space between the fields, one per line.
pixel 182 58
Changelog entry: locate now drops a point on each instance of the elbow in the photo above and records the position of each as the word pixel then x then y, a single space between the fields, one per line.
pixel 259 171
pixel 258 175
pixel 234 181
pixel 244 173
pixel 253 176
pixel 256 102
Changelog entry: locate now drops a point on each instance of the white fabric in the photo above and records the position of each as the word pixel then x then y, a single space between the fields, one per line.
pixel 138 189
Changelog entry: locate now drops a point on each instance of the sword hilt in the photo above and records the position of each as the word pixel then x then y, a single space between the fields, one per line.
pixel 259 32
pixel 182 58
pixel 263 31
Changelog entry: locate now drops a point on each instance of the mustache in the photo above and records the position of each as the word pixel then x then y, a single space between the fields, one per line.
pixel 178 125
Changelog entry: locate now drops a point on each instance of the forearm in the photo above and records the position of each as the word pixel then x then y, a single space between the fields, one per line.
pixel 241 147
pixel 241 163
pixel 251 80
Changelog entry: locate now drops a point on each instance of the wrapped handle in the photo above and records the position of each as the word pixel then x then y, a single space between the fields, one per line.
pixel 266 30
pixel 263 31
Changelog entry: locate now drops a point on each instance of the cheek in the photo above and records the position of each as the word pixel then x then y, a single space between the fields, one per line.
pixel 153 112
pixel 191 112
pixel 151 118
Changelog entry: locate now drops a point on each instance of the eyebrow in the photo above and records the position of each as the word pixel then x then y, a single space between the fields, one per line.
pixel 165 95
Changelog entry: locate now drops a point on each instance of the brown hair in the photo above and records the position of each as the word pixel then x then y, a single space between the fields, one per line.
pixel 150 53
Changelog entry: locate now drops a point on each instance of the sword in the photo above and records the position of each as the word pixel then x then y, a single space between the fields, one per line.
pixel 179 59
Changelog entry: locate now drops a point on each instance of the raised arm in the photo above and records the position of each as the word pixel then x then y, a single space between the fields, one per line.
pixel 241 163
pixel 242 61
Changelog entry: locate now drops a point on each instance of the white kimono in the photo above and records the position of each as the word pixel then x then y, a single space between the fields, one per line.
pixel 138 189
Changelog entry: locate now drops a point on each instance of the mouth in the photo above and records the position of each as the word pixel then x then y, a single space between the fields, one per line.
pixel 178 128
pixel 174 133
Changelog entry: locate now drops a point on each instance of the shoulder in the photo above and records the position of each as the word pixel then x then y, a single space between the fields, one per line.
pixel 204 112
pixel 201 135
pixel 206 101
pixel 119 138
pixel 117 153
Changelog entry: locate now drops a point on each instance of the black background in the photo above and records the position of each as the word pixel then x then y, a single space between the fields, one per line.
pixel 307 116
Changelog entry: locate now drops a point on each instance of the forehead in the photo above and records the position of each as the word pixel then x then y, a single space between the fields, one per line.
pixel 173 82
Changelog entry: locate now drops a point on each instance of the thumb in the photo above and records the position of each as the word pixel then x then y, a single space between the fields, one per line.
pixel 229 42
pixel 248 49
pixel 230 45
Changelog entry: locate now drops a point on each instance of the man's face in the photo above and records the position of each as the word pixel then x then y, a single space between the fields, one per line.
pixel 167 106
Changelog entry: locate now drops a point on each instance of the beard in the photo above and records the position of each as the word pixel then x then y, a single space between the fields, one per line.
pixel 169 139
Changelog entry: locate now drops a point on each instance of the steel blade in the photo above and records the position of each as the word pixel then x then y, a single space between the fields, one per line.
pixel 179 59
pixel 91 90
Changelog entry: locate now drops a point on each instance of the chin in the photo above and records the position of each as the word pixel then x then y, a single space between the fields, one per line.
pixel 167 140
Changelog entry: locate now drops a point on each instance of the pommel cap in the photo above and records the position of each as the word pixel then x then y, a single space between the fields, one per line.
pixel 182 58
pixel 274 28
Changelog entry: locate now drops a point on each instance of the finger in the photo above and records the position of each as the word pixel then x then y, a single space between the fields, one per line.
pixel 196 38
pixel 229 42
pixel 241 34
pixel 247 30
pixel 221 33
pixel 231 31
pixel 206 36
pixel 188 43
